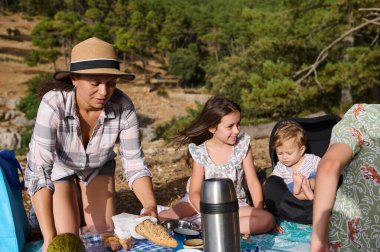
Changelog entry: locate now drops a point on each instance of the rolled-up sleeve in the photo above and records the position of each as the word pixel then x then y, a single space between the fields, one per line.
pixel 130 148
pixel 350 129
pixel 40 157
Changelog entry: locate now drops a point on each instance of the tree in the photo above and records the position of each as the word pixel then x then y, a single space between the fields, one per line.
pixel 183 63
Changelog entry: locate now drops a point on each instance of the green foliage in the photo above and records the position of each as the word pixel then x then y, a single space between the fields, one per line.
pixel 26 136
pixel 175 125
pixel 246 50
pixel 29 104
pixel 162 92
pixel 32 58
pixel 183 63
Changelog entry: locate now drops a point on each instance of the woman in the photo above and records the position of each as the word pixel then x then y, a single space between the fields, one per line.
pixel 348 219
pixel 78 123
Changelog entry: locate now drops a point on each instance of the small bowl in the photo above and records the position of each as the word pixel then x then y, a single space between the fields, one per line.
pixel 180 224
pixel 193 243
pixel 182 227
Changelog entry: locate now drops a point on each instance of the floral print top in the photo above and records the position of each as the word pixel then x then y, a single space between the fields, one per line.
pixel 232 169
pixel 355 220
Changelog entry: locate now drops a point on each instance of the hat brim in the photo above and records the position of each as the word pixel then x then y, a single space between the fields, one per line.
pixel 60 75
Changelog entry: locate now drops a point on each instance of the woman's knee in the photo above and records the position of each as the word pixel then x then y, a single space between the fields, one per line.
pixel 98 203
pixel 66 208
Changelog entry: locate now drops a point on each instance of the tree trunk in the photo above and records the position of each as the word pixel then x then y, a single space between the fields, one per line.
pixel 346 95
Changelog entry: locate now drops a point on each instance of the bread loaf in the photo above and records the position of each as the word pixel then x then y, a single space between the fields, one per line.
pixel 115 243
pixel 156 234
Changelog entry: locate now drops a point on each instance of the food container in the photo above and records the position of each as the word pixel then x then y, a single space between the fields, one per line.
pixel 220 218
pixel 193 243
pixel 182 227
pixel 171 224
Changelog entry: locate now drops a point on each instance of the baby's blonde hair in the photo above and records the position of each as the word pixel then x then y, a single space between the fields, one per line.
pixel 289 129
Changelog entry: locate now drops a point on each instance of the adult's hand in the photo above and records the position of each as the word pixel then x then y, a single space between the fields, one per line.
pixel 143 189
pixel 46 244
pixel 150 211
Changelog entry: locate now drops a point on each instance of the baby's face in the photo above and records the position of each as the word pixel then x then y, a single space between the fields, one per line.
pixel 290 153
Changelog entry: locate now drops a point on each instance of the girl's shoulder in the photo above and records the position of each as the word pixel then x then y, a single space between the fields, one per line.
pixel 242 146
pixel 243 141
pixel 244 138
pixel 196 149
pixel 199 154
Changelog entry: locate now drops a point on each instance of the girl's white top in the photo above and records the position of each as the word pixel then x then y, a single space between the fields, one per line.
pixel 233 169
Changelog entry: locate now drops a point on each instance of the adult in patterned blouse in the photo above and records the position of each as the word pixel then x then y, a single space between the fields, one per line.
pixel 348 219
pixel 78 124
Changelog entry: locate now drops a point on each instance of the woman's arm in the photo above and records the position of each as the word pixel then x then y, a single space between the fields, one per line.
pixel 329 169
pixel 253 181
pixel 137 173
pixel 143 189
pixel 197 178
pixel 43 206
pixel 40 160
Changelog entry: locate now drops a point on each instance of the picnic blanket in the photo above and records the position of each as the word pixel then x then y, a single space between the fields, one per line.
pixel 296 237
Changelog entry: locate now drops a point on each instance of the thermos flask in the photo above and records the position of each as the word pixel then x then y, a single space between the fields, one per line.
pixel 220 216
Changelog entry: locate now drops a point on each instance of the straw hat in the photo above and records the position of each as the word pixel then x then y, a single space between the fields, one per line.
pixel 94 56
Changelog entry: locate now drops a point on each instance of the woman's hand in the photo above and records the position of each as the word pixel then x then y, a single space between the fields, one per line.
pixel 317 246
pixel 150 211
pixel 46 244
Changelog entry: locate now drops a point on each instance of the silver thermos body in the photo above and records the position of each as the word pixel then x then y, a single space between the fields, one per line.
pixel 220 216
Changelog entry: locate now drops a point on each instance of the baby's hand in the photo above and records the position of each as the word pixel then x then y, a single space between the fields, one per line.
pixel 297 180
pixel 278 229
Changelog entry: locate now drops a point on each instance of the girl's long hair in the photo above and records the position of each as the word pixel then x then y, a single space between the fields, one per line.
pixel 213 111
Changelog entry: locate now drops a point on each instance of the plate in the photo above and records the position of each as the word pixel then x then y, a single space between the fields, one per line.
pixel 186 231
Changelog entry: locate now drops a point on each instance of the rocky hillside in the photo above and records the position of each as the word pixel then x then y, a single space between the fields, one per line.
pixel 152 108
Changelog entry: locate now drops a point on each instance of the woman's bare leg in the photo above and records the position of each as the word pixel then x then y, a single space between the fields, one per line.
pixel 99 203
pixel 255 220
pixel 178 211
pixel 65 207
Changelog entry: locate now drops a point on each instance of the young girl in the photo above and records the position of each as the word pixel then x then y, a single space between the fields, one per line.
pixel 296 168
pixel 218 150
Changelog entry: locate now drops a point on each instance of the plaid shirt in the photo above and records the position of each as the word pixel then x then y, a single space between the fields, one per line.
pixel 56 150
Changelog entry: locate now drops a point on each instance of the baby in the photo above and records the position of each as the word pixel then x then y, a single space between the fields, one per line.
pixel 297 169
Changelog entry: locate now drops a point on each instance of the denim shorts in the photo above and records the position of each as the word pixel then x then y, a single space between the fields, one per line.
pixel 108 169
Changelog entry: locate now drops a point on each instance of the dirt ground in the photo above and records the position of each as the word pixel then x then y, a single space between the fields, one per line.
pixel 167 163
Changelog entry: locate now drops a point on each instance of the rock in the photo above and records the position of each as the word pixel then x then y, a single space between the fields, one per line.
pixel 9 103
pixel 10 139
pixel 259 131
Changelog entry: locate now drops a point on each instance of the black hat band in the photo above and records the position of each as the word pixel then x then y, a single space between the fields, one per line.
pixel 91 64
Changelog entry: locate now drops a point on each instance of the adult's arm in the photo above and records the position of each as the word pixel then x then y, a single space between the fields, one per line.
pixel 137 173
pixel 329 169
pixel 43 206
pixel 39 165
pixel 253 181
pixel 143 189
pixel 197 177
